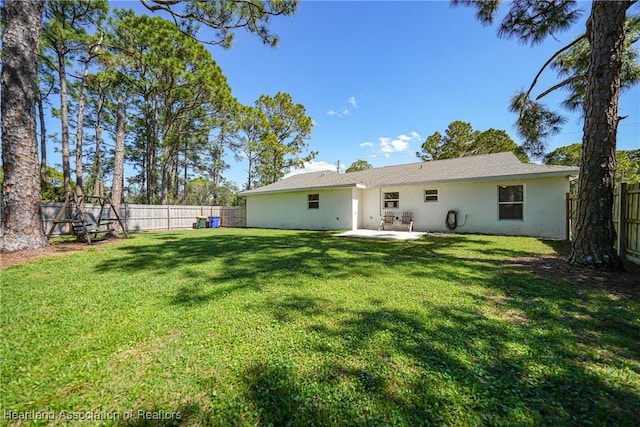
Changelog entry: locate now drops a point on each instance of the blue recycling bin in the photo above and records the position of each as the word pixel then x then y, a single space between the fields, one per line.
pixel 214 222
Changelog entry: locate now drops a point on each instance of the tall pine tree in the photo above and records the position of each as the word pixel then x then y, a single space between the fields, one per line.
pixel 21 185
pixel 532 21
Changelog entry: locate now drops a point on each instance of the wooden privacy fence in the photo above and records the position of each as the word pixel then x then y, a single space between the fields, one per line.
pixel 152 217
pixel 233 216
pixel 626 214
pixel 626 220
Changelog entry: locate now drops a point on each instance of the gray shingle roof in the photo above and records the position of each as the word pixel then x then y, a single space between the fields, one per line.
pixel 303 181
pixel 473 168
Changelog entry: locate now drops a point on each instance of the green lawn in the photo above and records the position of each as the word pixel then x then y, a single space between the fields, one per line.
pixel 264 327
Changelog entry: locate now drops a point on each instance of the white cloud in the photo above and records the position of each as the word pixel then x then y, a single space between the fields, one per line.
pixel 346 109
pixel 367 144
pixel 385 144
pixel 408 138
pixel 312 166
pixel 398 144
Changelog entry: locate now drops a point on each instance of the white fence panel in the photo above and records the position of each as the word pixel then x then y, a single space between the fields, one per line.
pixel 144 217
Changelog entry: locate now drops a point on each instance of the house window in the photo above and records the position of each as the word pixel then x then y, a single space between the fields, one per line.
pixel 510 202
pixel 313 201
pixel 391 200
pixel 430 195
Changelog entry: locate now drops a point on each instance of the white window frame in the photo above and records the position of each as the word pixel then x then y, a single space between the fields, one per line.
pixel 436 195
pixel 389 203
pixel 313 201
pixel 514 202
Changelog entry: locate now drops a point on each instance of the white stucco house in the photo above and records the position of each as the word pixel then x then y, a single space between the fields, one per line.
pixel 492 194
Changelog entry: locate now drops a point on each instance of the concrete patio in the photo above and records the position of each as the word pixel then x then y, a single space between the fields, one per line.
pixel 382 234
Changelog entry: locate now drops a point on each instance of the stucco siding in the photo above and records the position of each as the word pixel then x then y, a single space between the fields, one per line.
pixel 477 207
pixel 291 211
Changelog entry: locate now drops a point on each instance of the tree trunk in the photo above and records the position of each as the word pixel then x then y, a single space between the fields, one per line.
pixel 64 123
pixel 175 180
pixel 250 172
pixel 152 126
pixel 217 165
pixel 118 165
pixel 164 199
pixel 186 171
pixel 21 187
pixel 173 173
pixel 593 245
pixel 79 136
pixel 43 141
pixel 149 151
pixel 97 162
pixel 168 172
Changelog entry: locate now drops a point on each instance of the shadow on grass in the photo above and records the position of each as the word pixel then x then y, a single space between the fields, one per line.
pixel 460 366
pixel 528 351
pixel 218 264
pixel 560 247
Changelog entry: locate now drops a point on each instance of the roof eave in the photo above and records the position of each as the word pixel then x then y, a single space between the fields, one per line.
pixel 292 190
pixel 535 175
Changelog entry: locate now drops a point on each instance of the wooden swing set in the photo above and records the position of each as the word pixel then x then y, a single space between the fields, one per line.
pixel 85 224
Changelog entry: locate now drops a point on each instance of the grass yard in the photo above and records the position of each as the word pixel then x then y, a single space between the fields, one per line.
pixel 265 327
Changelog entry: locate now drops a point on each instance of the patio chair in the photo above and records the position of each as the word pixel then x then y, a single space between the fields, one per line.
pixel 407 219
pixel 388 218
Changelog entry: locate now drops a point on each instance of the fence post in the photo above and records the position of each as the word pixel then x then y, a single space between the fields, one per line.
pixel 126 226
pixel 168 217
pixel 622 221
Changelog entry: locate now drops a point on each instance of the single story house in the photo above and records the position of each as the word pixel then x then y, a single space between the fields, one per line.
pixel 492 194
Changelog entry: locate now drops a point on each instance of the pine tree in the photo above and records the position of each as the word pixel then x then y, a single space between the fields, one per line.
pixel 531 22
pixel 21 185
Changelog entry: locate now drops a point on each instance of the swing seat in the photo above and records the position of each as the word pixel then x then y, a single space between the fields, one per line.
pixel 86 224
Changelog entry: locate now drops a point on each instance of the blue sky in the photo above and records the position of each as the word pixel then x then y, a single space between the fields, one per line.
pixel 379 77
